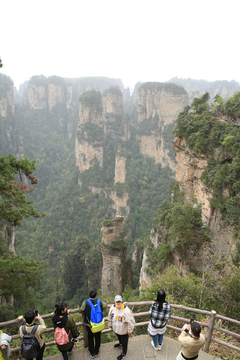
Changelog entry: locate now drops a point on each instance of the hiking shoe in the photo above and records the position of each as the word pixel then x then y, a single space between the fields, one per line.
pixel 152 343
pixel 121 357
pixel 117 346
pixel 91 355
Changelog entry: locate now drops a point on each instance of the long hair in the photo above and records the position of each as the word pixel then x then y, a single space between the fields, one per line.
pixel 160 299
pixel 59 308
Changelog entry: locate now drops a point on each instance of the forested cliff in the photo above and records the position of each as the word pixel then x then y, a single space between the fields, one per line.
pixel 198 229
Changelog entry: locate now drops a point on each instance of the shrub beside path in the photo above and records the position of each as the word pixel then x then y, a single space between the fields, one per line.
pixel 139 348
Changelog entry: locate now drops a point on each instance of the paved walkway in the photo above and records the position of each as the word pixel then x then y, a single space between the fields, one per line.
pixel 139 348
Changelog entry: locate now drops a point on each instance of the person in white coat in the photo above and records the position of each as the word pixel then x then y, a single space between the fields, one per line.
pixel 4 345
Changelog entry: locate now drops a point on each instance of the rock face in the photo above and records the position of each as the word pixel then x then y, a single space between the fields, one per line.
pixel 120 203
pixel 120 171
pixel 49 95
pixel 7 99
pixel 166 105
pixel 113 260
pixel 189 169
pixel 145 279
pixel 154 146
pixel 55 95
pixel 101 84
pixel 105 108
pixel 85 153
pixel 163 105
pixel 37 96
pixel 112 103
pixel 97 121
pixel 196 88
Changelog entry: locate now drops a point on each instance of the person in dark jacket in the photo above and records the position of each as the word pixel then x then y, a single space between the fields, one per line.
pixel 159 314
pixel 93 349
pixel 62 319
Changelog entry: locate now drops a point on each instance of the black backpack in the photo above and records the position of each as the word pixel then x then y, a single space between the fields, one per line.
pixel 30 346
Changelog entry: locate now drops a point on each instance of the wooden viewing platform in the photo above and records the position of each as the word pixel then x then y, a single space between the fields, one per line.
pixel 139 348
pixel 143 342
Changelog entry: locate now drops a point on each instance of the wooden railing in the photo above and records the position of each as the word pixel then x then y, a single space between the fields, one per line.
pixel 210 325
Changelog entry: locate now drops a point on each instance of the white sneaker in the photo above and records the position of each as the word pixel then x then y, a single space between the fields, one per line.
pixel 160 347
pixel 152 343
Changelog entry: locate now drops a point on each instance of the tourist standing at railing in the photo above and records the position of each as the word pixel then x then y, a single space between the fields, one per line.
pixel 191 341
pixel 30 317
pixel 62 320
pixel 121 321
pixel 93 349
pixel 4 345
pixel 159 314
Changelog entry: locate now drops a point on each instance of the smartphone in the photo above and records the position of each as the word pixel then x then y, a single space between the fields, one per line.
pixel 36 312
pixel 74 340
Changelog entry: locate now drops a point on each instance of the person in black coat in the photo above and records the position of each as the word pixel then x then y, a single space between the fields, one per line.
pixel 62 319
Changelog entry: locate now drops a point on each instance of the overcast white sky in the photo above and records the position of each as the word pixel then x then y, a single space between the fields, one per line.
pixel 134 40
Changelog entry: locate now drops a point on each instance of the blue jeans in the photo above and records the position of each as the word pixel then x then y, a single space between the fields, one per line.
pixel 157 339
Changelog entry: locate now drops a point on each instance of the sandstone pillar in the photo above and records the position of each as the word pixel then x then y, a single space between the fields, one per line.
pixel 113 253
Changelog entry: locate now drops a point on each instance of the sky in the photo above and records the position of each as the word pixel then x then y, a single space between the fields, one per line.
pixel 134 40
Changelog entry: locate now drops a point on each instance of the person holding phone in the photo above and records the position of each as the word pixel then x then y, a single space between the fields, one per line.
pixel 191 341
pixel 30 317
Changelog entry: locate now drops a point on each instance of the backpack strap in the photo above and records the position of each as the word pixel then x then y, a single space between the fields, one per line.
pixel 34 329
pixel 90 303
pixel 24 330
pixel 32 332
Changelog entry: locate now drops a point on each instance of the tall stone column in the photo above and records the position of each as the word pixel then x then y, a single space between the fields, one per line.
pixel 113 252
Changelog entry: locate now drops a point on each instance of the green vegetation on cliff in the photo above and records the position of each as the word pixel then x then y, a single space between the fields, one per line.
pixel 180 228
pixel 219 140
pixel 92 133
pixel 113 90
pixel 14 206
pixel 169 87
pixel 92 99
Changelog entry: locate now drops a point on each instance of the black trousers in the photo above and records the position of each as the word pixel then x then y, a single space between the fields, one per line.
pixel 123 339
pixel 40 354
pixel 93 349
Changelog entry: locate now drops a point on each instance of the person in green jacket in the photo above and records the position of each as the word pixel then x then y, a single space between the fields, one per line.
pixel 62 319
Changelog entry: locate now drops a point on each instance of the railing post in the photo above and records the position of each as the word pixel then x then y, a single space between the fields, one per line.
pixel 209 331
pixel 85 333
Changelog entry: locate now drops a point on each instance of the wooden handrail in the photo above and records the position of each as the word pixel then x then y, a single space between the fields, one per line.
pixel 210 325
